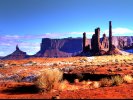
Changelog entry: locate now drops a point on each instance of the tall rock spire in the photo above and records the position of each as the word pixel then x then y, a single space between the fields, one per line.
pixel 84 41
pixel 110 35
pixel 17 48
pixel 97 39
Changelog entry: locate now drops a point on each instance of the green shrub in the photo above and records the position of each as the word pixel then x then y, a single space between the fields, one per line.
pixel 49 79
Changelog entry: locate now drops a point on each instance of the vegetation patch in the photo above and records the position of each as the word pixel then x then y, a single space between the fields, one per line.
pixel 49 79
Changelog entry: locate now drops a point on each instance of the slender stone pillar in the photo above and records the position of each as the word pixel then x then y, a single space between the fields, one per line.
pixel 110 35
pixel 17 48
pixel 84 42
pixel 97 39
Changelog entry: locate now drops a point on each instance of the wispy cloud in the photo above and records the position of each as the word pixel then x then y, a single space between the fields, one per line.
pixel 1 53
pixel 31 43
pixel 121 32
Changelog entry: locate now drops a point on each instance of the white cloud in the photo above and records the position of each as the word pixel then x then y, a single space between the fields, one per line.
pixel 120 32
pixel 1 53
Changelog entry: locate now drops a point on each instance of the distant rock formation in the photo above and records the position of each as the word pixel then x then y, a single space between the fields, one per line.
pixel 86 45
pixel 103 47
pixel 104 42
pixel 1 57
pixel 110 35
pixel 123 42
pixel 113 50
pixel 16 55
pixel 66 47
pixel 95 41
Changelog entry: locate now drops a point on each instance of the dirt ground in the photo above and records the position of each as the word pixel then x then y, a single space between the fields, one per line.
pixel 105 65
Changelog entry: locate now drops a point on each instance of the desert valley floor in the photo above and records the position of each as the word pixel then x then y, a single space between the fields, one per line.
pixel 82 77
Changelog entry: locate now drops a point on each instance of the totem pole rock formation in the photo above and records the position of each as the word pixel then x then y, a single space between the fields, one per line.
pixel 104 42
pixel 110 35
pixel 86 46
pixel 84 41
pixel 95 42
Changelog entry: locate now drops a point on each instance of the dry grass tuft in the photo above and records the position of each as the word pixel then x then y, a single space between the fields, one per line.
pixel 49 79
pixel 128 79
pixel 105 82
pixel 95 85
pixel 63 85
pixel 117 80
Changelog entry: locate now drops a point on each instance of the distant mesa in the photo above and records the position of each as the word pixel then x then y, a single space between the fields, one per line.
pixel 59 47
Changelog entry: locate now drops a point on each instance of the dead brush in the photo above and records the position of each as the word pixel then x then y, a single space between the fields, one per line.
pixel 128 79
pixel 49 79
pixel 95 85
pixel 105 82
pixel 117 80
pixel 63 85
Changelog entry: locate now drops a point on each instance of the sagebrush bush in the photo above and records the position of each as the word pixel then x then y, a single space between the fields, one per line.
pixel 95 85
pixel 49 79
pixel 63 85
pixel 117 80
pixel 128 79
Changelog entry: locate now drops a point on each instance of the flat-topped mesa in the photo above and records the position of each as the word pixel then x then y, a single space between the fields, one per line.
pixel 110 35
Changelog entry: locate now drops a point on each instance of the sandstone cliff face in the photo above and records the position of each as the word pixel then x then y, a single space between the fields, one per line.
pixel 59 47
pixel 122 41
pixel 16 55
pixel 1 57
pixel 104 42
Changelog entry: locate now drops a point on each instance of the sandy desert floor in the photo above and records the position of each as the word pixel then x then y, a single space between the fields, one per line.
pixel 12 73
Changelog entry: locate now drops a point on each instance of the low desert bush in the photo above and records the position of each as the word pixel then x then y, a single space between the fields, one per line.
pixel 117 80
pixel 106 82
pixel 63 85
pixel 128 79
pixel 95 85
pixel 49 79
pixel 76 81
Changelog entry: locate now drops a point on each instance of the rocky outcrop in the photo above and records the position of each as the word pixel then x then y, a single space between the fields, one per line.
pixel 86 43
pixel 110 35
pixel 104 42
pixel 59 47
pixel 113 50
pixel 95 41
pixel 123 42
pixel 103 47
pixel 16 55
pixel 1 57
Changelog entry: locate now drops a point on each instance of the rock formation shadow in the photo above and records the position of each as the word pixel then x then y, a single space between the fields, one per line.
pixel 32 89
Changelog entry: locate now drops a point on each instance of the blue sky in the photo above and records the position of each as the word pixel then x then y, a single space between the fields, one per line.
pixel 25 22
